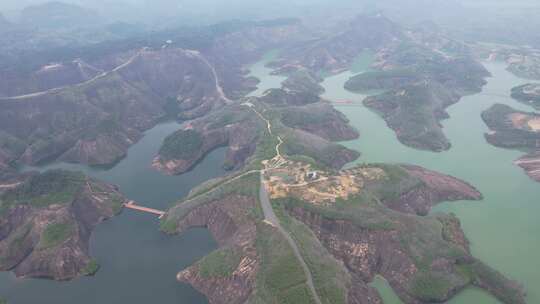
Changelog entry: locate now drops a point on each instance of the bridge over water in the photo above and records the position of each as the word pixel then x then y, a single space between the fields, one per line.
pixel 133 206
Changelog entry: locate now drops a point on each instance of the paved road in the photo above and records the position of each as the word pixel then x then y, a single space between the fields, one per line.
pixel 219 88
pixel 55 90
pixel 271 217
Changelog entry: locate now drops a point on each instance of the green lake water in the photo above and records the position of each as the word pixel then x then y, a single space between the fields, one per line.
pixel 138 262
pixel 504 229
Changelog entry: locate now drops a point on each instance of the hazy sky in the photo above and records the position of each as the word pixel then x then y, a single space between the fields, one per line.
pixel 169 12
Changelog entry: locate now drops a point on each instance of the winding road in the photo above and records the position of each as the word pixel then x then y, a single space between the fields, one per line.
pixel 58 89
pixel 271 218
pixel 219 88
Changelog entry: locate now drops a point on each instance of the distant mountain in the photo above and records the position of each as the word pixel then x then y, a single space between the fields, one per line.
pixel 58 15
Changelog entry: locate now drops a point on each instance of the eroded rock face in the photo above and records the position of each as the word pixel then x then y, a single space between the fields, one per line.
pixel 365 253
pixel 368 252
pixel 236 127
pixel 531 164
pixel 227 220
pixel 435 188
pixel 516 130
pixel 94 122
pixel 44 230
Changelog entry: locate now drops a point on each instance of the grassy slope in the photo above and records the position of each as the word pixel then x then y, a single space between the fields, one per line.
pixel 42 190
pixel 182 144
pixel 281 278
pixel 330 278
pixel 423 239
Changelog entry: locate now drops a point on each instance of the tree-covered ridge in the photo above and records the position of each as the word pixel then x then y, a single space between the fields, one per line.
pixel 181 144
pixel 42 190
pixel 512 128
pixel 47 221
pixel 414 112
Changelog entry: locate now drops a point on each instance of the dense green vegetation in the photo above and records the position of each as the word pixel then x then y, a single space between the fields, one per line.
pixel 421 238
pixel 482 275
pixel 220 263
pixel 316 118
pixel 182 144
pixel 381 80
pixel 281 97
pixel 303 81
pixel 41 190
pixel 430 287
pixel 247 185
pixel 91 268
pixel 228 117
pixel 412 112
pixel 328 154
pixel 107 126
pixel 55 234
pixel 362 211
pixel 330 278
pixel 281 278
pixel 396 182
pixel 506 134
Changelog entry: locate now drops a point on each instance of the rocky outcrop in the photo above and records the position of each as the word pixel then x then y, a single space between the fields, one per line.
pixel 368 252
pixel 531 164
pixel 434 188
pixel 516 130
pixel 232 228
pixel 235 127
pixel 46 223
pixel 107 114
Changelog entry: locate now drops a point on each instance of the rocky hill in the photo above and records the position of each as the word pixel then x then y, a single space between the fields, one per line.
pixel 516 130
pixel 345 244
pixel 528 94
pixel 96 121
pixel 92 111
pixel 46 223
pixel 420 72
pixel 337 52
pixel 308 130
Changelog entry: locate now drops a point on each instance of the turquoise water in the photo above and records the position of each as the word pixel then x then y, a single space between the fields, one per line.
pixel 263 73
pixel 504 227
pixel 138 263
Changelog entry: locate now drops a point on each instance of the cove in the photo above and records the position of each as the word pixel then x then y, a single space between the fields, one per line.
pixel 503 228
pixel 138 262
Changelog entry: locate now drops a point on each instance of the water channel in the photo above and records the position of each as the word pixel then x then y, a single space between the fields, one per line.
pixel 139 263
